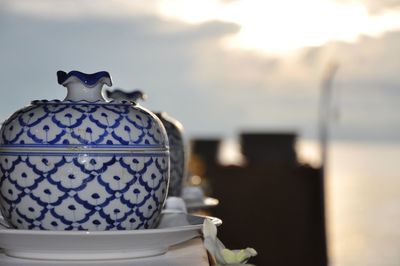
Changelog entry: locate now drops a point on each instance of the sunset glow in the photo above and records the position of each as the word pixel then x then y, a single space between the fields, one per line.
pixel 270 27
pixel 284 26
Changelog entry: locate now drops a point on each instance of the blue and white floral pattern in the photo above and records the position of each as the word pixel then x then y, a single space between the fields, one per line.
pixel 177 154
pixel 79 165
pixel 80 123
pixel 83 192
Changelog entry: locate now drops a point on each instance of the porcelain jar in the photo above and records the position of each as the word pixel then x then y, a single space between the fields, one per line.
pixel 177 153
pixel 177 145
pixel 83 163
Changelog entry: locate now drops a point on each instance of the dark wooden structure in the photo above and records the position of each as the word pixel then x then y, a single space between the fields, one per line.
pixel 272 204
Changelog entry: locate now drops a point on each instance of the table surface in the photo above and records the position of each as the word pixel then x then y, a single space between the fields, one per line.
pixel 191 252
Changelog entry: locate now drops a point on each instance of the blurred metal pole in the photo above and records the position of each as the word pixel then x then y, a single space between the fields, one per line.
pixel 325 112
pixel 325 116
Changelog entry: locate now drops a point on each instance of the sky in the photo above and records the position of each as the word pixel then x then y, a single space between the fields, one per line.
pixel 218 66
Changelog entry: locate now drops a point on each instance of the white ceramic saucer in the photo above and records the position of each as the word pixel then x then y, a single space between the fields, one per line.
pixel 195 199
pixel 204 203
pixel 174 228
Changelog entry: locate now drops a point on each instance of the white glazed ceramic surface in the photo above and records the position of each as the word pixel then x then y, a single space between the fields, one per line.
pixel 83 163
pixel 194 198
pixel 204 203
pixel 174 228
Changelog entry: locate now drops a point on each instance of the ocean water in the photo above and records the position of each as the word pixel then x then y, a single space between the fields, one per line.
pixel 363 204
pixel 362 188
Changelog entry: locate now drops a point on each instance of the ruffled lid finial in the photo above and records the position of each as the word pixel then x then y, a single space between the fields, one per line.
pixel 121 95
pixel 88 80
pixel 84 87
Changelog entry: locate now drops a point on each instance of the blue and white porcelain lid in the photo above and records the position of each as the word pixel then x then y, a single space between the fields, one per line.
pixel 83 119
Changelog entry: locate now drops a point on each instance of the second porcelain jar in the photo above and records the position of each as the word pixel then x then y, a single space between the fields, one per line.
pixel 176 140
pixel 83 163
pixel 177 153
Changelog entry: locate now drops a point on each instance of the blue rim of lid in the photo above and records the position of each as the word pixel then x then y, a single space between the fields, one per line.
pixel 87 79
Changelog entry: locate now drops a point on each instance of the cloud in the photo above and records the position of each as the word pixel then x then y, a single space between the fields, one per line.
pixel 186 71
pixel 228 1
pixel 70 9
pixel 376 7
pixel 141 51
pixel 367 85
